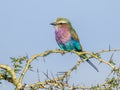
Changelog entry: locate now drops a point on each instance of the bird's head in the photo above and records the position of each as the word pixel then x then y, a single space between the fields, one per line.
pixel 61 23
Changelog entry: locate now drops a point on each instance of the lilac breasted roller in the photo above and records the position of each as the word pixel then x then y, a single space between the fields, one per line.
pixel 67 38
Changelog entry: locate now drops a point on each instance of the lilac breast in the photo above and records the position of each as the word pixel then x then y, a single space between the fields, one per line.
pixel 62 35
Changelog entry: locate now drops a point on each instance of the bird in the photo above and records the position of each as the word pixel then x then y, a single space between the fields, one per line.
pixel 67 38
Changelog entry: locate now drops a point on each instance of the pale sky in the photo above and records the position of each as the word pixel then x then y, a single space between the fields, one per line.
pixel 25 30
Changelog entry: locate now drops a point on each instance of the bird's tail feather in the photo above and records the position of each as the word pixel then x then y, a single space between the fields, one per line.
pixel 92 65
pixel 84 56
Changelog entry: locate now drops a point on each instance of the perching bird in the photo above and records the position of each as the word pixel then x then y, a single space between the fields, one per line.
pixel 67 38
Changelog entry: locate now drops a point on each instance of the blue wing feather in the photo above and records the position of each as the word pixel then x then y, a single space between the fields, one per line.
pixel 71 45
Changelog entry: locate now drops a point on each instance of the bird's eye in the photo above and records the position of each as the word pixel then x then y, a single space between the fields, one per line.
pixel 60 23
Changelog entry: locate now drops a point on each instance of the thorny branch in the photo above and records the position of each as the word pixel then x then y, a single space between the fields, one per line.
pixel 56 82
pixel 12 75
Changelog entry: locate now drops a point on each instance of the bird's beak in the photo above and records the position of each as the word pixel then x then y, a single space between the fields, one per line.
pixel 53 24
